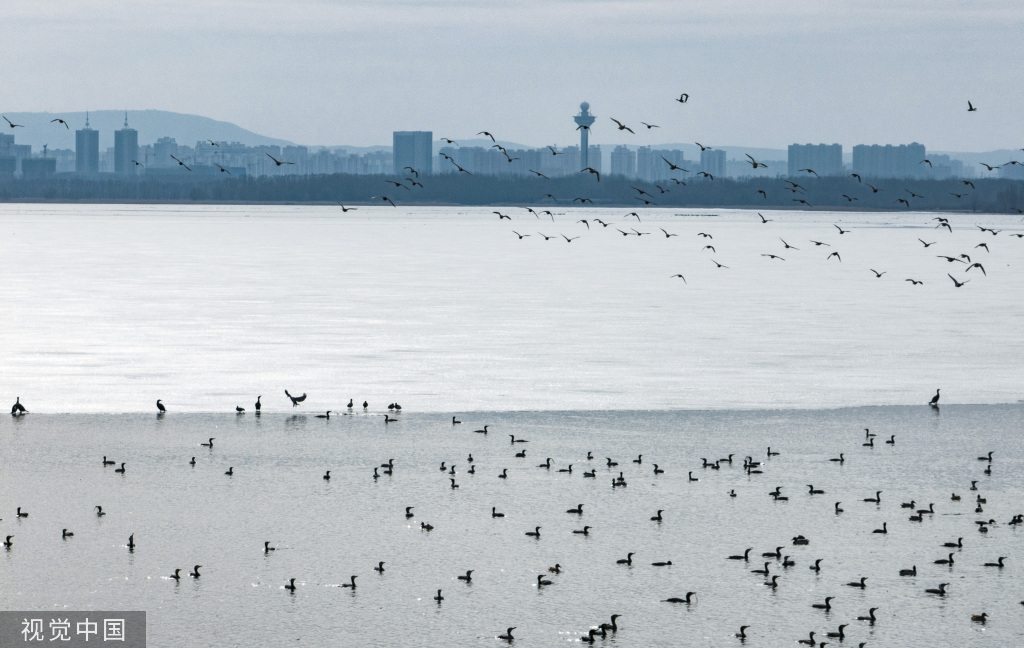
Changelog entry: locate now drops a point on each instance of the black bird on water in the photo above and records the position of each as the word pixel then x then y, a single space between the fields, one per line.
pixel 160 406
pixel 258 405
pixel 934 402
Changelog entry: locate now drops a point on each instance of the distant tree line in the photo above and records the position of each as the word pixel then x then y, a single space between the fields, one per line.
pixel 844 193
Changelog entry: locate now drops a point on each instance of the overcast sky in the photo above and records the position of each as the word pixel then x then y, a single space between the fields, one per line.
pixel 760 73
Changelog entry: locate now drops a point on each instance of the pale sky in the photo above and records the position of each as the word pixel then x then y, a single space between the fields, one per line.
pixel 760 73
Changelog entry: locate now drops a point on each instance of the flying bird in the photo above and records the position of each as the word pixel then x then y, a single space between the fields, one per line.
pixel 706 174
pixel 593 171
pixel 222 169
pixel 810 171
pixel 553 151
pixel 754 163
pixel 412 170
pixel 702 147
pixel 449 141
pixel 763 219
pixel 878 275
pixel 386 199
pixel 487 134
pixel 773 256
pixel 673 167
pixel 538 173
pixel 841 230
pixel 180 163
pixel 59 120
pixel 788 246
pixel 914 281
pixel 763 194
pixel 621 125
pixel 500 215
pixel 836 255
pixel 979 266
pixel 955 282
pixel 650 126
pixel 521 236
pixel 570 240
pixel 855 175
pixel 276 161
pixel 12 125
pixel 989 166
pixel 678 276
pixel 346 209
pixel 667 235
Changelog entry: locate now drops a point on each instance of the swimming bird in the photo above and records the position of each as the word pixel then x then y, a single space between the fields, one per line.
pixel 267 548
pixel 998 563
pixel 295 399
pixel 929 510
pixel 327 476
pixel 230 472
pixel 686 599
pixel 535 533
pixel 808 642
pixel 176 575
pixel 628 560
pixel 691 477
pixel 987 458
pixel 584 531
pixel 979 618
pixel 745 557
pixel 99 511
pixel 193 462
pixel 120 470
pixel 578 510
pixel 877 499
pixel 816 567
pixel 495 514
pixel 546 465
pixel 426 527
pixel 742 634
pixel 483 431
pixel 290 586
pixel 763 572
pixel 66 534
pixel 941 591
pixel 468 577
pixel 521 454
pixel 861 584
pixel 504 474
pixel 909 572
pixel 815 491
pixel 839 633
pixel 351 584
pixel 657 471
pixel 773 554
pixel 557 569
pixel 840 459
pixel 388 419
pixel 508 635
pixel 657 516
pixel 208 444
pixel 452 480
pixel 131 542
pixel 195 571
pixel 883 530
pixel 870 617
pixel 439 598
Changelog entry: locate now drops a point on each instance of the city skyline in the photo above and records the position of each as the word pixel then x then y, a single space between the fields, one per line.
pixel 764 77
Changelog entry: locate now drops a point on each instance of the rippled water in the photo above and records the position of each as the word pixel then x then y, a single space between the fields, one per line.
pixel 107 309
pixel 326 531
pixel 577 347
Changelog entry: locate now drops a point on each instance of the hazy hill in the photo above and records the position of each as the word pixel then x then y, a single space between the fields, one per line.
pixel 151 124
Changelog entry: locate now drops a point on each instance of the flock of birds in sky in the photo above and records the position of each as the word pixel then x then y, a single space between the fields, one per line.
pixel 776 563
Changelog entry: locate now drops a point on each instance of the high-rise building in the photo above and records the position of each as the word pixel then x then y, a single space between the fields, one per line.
pixel 87 149
pixel 126 149
pixel 903 161
pixel 163 149
pixel 651 164
pixel 623 162
pixel 413 149
pixel 713 162
pixel 824 159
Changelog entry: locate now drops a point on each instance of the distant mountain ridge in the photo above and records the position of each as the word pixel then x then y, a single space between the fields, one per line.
pixel 152 124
